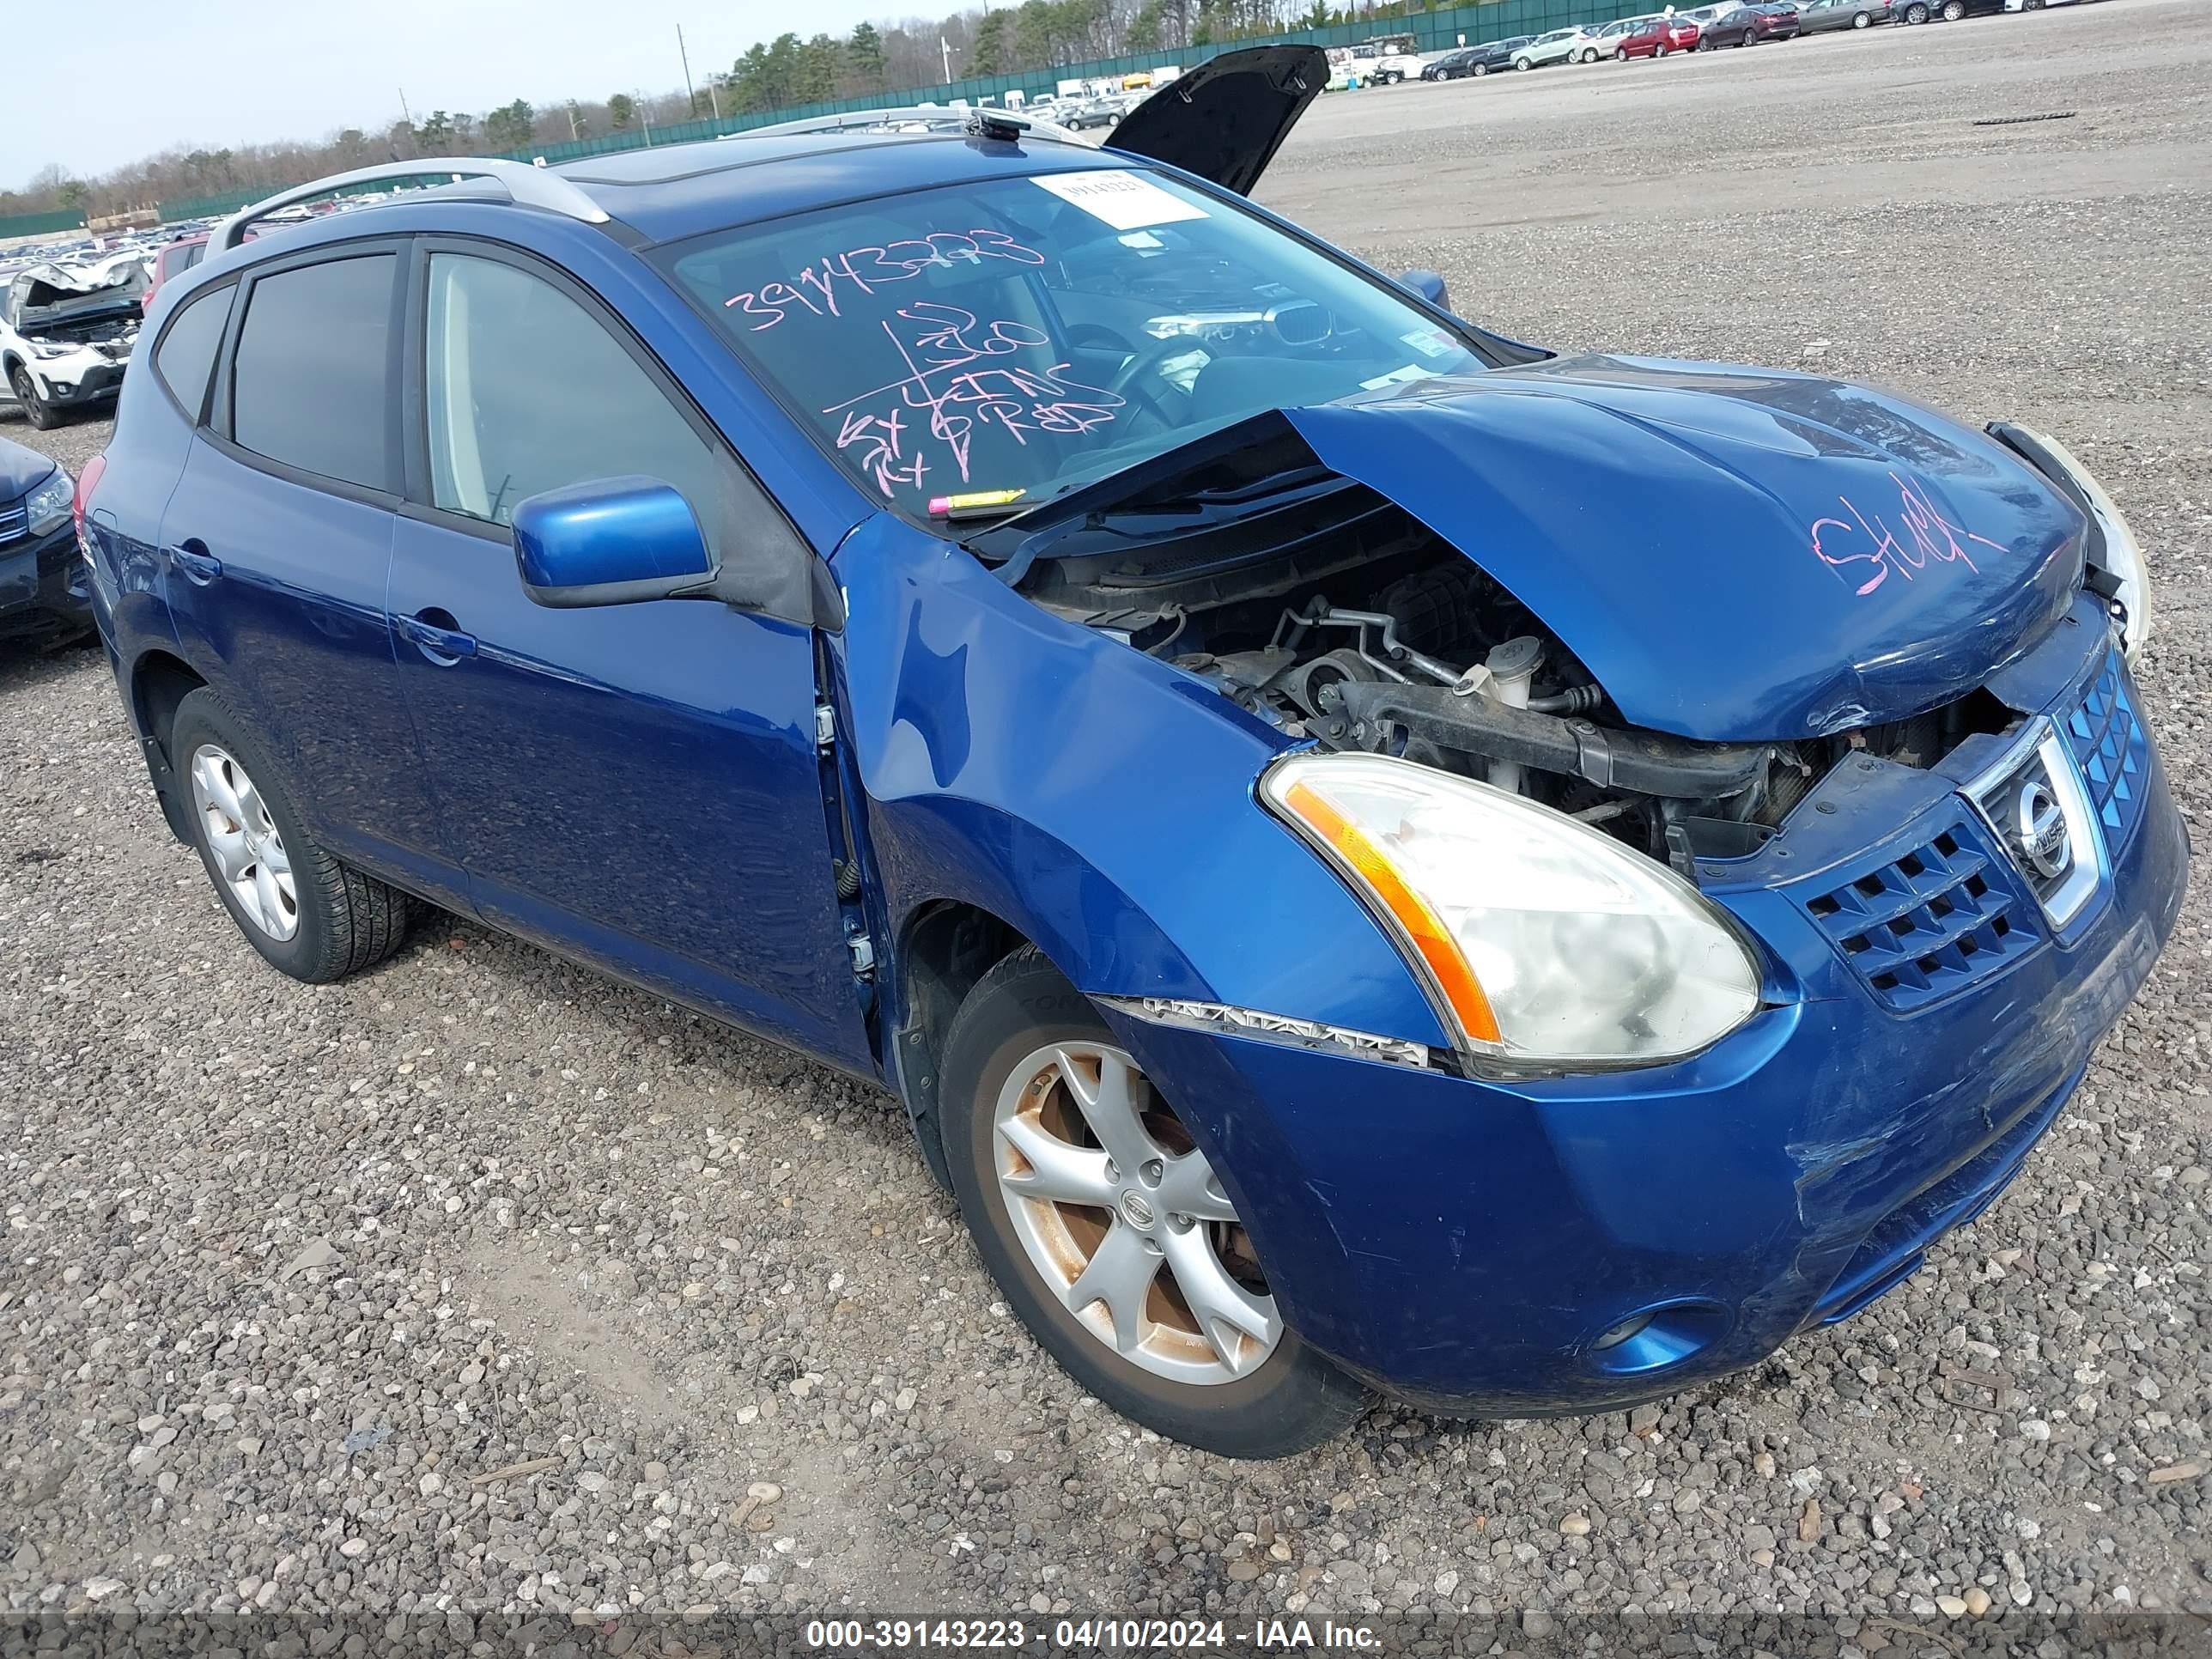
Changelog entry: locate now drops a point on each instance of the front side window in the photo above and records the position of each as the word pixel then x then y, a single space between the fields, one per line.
pixel 308 379
pixel 1032 334
pixel 528 393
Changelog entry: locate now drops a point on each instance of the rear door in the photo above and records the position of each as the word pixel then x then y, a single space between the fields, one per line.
pixel 276 548
pixel 637 784
pixel 1225 119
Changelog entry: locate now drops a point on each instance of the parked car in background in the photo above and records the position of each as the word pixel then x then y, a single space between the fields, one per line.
pixel 1822 17
pixel 1497 55
pixel 67 331
pixel 2034 5
pixel 1658 37
pixel 172 259
pixel 1948 11
pixel 1556 47
pixel 43 593
pixel 1099 113
pixel 1372 855
pixel 1452 65
pixel 1605 40
pixel 1785 21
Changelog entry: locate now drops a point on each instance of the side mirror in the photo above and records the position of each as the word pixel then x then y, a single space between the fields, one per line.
pixel 1429 286
pixel 615 541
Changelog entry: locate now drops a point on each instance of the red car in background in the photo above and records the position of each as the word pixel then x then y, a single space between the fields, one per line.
pixel 1659 36
pixel 174 260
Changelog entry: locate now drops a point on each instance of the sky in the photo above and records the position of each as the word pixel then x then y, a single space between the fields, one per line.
pixel 204 74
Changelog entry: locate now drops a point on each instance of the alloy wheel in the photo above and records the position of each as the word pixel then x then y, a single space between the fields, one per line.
pixel 243 841
pixel 1124 1220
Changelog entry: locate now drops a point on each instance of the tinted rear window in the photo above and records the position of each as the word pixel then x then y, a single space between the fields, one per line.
pixel 308 379
pixel 187 351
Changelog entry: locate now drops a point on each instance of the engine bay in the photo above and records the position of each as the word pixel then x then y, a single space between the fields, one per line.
pixel 1332 614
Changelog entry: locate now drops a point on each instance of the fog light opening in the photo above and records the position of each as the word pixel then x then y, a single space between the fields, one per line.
pixel 1656 1338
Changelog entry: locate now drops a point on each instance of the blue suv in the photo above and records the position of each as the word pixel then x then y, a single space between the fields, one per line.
pixel 1374 856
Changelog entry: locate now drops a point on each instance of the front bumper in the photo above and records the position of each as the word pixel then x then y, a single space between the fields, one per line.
pixel 43 583
pixel 93 385
pixel 1464 1244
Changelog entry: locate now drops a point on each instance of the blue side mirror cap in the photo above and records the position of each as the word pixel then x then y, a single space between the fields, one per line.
pixel 614 540
pixel 1429 286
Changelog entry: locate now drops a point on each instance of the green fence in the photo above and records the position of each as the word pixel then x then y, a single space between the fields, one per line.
pixel 1432 31
pixel 13 225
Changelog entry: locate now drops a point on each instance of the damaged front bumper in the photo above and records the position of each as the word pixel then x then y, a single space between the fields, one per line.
pixel 1577 1243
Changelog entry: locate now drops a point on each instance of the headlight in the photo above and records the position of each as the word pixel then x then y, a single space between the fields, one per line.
pixel 49 505
pixel 55 348
pixel 1540 940
pixel 2124 553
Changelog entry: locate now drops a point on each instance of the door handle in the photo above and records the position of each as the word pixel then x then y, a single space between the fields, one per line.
pixel 199 566
pixel 438 636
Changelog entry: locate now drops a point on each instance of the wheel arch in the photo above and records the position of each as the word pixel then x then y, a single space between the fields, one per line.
pixel 944 947
pixel 159 681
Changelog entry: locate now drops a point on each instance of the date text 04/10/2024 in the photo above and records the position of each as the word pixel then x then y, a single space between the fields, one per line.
pixel 1098 1635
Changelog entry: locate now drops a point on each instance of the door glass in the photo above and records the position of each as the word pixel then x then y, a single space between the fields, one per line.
pixel 309 380
pixel 186 353
pixel 528 393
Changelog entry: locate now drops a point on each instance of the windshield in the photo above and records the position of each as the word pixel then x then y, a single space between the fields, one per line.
pixel 1027 335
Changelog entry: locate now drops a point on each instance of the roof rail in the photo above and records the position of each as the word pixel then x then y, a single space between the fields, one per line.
pixel 979 121
pixel 526 186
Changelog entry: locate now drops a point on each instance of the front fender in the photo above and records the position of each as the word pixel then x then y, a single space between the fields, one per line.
pixel 1091 797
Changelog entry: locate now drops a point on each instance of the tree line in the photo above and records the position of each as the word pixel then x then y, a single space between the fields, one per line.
pixel 785 73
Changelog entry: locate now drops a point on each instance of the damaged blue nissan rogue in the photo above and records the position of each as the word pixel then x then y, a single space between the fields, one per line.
pixel 1375 857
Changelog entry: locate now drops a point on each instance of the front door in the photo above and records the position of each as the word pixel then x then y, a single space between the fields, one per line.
pixel 637 784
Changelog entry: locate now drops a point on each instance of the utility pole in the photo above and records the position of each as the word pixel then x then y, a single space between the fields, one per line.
pixel 715 94
pixel 691 97
pixel 405 113
pixel 645 115
pixel 573 132
pixel 946 47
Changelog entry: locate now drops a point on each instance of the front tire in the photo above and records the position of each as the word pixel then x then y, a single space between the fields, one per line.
pixel 1140 1280
pixel 42 415
pixel 1916 14
pixel 308 915
pixel 1955 10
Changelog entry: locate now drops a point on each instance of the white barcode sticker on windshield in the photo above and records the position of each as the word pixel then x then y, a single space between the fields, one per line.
pixel 1125 200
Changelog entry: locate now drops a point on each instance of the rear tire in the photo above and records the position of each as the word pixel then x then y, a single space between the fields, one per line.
pixel 1915 13
pixel 1749 38
pixel 1292 1399
pixel 269 871
pixel 42 415
pixel 1953 11
pixel 1482 68
pixel 1862 21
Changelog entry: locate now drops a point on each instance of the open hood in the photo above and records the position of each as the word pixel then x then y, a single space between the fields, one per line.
pixel 1226 118
pixel 1736 553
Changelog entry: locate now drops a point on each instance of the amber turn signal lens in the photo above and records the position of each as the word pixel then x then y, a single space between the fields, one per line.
pixel 1419 923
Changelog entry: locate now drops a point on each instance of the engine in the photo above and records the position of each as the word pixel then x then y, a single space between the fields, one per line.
pixel 1377 636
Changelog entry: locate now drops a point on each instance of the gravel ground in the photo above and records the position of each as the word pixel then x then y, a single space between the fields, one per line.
pixel 477 1283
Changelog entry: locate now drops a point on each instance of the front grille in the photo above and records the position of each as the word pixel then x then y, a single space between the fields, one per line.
pixel 1932 922
pixel 14 520
pixel 2110 746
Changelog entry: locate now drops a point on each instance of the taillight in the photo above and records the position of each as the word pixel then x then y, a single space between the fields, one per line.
pixel 87 482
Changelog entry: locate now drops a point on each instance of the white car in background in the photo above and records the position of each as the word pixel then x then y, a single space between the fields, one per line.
pixel 66 333
pixel 1560 46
